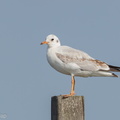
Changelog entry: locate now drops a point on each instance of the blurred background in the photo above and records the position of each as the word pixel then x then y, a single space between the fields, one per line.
pixel 27 82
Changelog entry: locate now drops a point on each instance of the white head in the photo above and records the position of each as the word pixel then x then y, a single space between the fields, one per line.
pixel 52 41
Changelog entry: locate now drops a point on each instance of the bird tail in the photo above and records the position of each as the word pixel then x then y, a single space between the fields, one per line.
pixel 114 75
pixel 114 68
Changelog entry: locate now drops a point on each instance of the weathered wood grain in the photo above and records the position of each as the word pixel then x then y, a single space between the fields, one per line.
pixel 71 108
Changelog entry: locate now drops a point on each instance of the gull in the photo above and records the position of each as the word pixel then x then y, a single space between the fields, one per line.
pixel 75 62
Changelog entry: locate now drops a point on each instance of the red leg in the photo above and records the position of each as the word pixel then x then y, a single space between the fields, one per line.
pixel 72 92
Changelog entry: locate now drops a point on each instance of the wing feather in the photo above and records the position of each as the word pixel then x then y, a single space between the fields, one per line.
pixel 83 60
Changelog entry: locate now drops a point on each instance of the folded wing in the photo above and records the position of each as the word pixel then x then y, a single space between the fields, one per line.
pixel 83 60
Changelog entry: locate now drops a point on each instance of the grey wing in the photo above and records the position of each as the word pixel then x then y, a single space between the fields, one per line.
pixel 83 60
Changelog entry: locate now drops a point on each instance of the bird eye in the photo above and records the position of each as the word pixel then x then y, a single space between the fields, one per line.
pixel 52 39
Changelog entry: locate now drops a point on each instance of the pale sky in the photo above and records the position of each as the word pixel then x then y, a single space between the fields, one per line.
pixel 27 82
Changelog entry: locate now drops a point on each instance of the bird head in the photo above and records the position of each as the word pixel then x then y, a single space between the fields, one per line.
pixel 51 41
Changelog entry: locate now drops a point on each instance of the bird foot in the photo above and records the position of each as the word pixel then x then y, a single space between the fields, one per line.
pixel 68 95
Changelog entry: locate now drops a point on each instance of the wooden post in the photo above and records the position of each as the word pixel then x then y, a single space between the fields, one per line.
pixel 71 108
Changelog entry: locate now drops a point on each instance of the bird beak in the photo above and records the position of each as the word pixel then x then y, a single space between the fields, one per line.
pixel 44 42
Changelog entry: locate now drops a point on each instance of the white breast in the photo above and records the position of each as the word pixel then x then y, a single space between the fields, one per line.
pixel 55 62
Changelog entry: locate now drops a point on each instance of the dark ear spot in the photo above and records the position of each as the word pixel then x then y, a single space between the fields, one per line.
pixel 57 41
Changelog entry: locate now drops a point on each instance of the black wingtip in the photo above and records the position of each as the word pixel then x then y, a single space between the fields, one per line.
pixel 114 68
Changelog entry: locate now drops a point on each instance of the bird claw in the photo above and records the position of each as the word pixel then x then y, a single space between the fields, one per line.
pixel 68 95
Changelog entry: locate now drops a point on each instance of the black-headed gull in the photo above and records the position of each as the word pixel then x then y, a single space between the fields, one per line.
pixel 74 62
